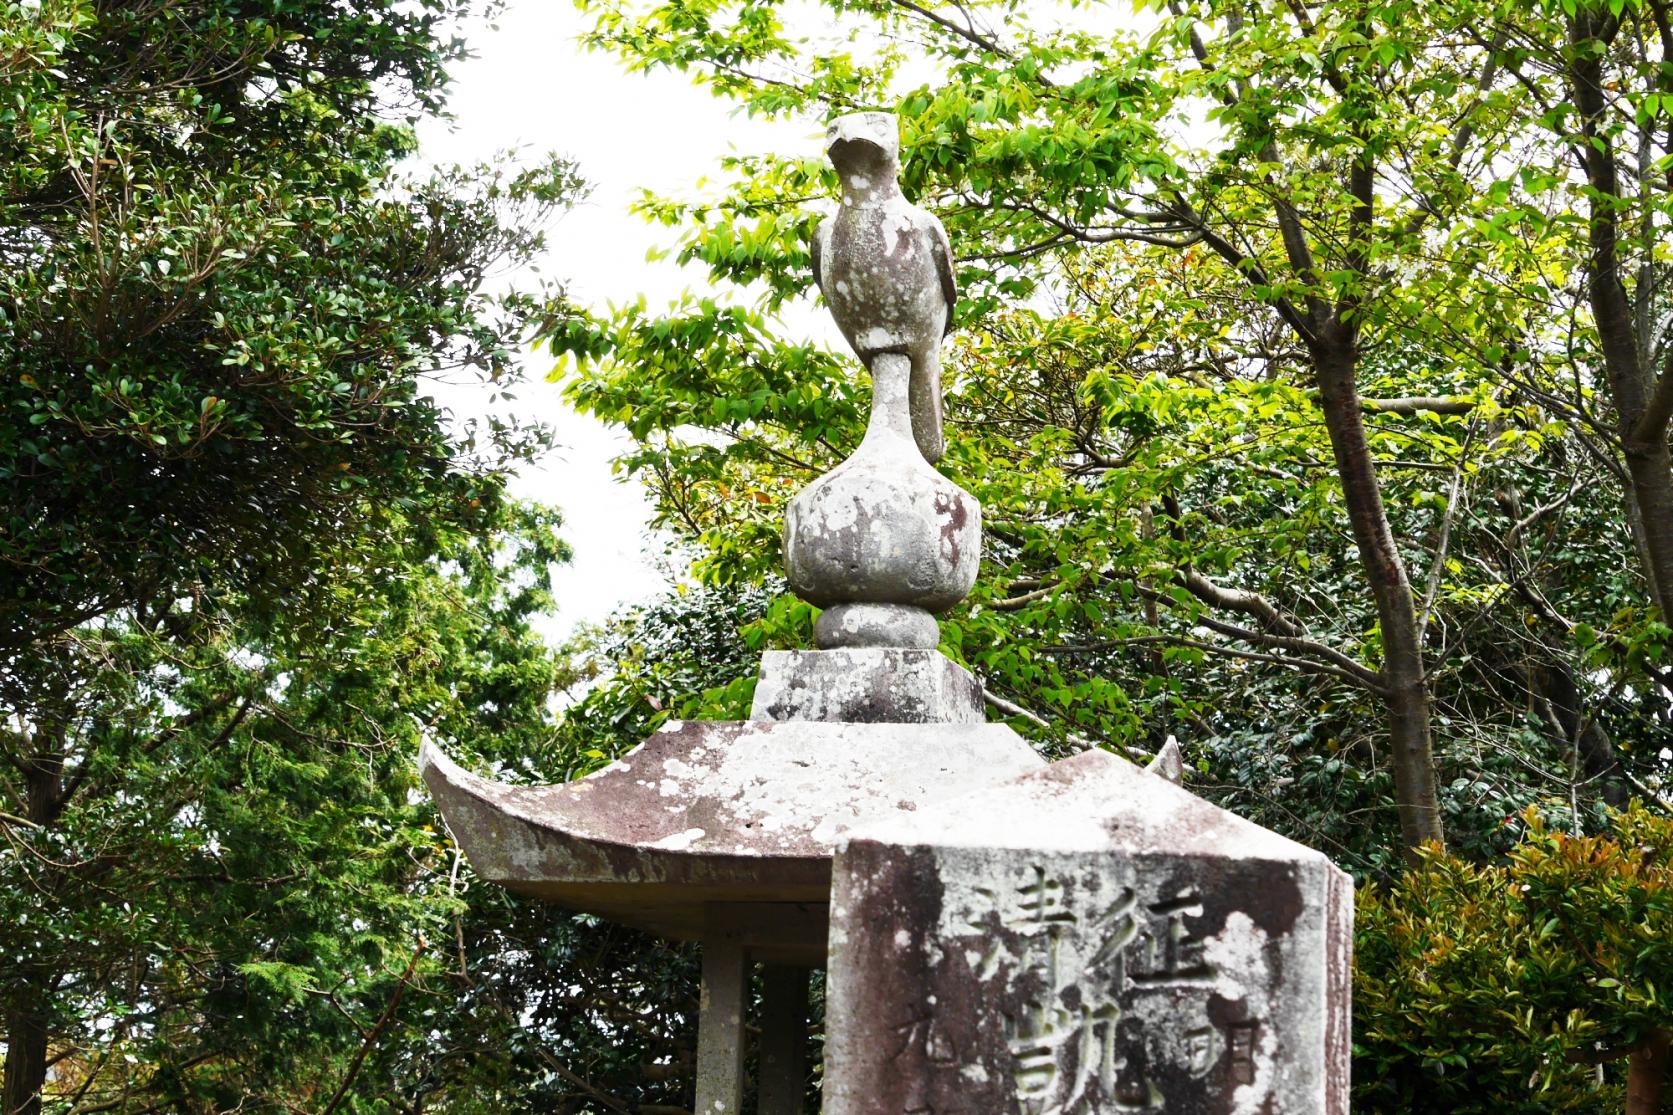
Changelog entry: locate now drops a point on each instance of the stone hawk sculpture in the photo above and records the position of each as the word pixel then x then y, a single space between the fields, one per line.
pixel 885 267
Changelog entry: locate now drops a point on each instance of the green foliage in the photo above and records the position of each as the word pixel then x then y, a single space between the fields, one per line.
pixel 245 563
pixel 1500 988
pixel 551 1010
pixel 544 1010
pixel 685 656
pixel 1133 391
pixel 242 864
pixel 1162 223
pixel 247 566
pixel 215 299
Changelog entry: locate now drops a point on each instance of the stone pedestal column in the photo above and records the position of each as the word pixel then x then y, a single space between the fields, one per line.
pixel 720 1032
pixel 783 1049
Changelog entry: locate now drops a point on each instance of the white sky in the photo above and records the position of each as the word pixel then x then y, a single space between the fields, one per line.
pixel 530 85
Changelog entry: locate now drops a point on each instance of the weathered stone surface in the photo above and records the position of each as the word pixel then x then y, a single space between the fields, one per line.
pixel 735 821
pixel 870 685
pixel 722 998
pixel 1169 762
pixel 876 625
pixel 883 541
pixel 885 267
pixel 1085 938
pixel 883 527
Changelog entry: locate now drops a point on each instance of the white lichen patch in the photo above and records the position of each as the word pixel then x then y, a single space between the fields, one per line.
pixel 679 841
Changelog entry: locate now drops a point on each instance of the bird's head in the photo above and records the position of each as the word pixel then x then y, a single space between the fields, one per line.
pixel 866 144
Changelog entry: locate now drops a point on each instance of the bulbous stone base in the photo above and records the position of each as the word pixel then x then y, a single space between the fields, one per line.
pixel 884 527
pixel 876 625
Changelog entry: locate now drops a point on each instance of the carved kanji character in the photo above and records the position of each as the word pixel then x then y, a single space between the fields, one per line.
pixel 1170 955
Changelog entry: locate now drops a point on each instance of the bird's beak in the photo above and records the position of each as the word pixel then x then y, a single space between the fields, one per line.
pixel 852 148
pixel 851 142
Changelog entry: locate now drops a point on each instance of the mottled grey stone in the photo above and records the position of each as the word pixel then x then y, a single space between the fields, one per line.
pixel 885 267
pixel 876 625
pixel 1085 938
pixel 883 527
pixel 1169 762
pixel 710 827
pixel 871 685
pixel 720 1031
pixel 883 541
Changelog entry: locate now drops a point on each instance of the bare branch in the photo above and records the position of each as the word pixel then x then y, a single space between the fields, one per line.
pixel 1658 409
pixel 1439 564
pixel 968 32
pixel 1363 675
pixel 1414 403
pixel 371 1037
pixel 1013 603
pixel 1216 648
pixel 1239 600
pixel 1011 708
pixel 1108 234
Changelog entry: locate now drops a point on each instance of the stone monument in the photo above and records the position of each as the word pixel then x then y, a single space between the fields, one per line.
pixel 1002 936
pixel 724 832
pixel 1085 938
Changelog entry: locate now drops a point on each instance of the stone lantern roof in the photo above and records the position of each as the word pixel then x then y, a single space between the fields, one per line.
pixel 715 827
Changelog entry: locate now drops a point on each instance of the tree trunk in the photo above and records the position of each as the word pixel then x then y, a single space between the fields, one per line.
pixel 1650 467
pixel 1627 365
pixel 1646 1067
pixel 1406 692
pixel 26 1042
pixel 27 1029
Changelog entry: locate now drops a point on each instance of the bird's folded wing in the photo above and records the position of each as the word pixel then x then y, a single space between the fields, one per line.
pixel 943 253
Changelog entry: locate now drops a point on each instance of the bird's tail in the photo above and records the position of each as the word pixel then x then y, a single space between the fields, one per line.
pixel 925 404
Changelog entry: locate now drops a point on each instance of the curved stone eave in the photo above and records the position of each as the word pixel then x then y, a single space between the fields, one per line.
pixel 501 830
pixel 706 816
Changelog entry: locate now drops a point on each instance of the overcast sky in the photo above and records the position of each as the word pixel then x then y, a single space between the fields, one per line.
pixel 531 86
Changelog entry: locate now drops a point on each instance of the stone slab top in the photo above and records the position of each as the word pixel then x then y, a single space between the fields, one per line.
pixel 874 685
pixel 706 814
pixel 1090 802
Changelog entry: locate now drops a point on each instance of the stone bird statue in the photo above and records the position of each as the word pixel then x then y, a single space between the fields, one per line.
pixel 885 267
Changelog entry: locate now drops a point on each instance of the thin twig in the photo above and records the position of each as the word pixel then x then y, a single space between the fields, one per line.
pixel 1437 566
pixel 372 1035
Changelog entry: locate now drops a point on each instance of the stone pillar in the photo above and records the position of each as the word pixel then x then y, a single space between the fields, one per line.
pixel 783 1040
pixel 720 1026
pixel 1085 938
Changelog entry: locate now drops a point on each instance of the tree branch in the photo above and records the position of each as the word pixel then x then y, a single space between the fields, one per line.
pixel 1439 564
pixel 371 1038
pixel 1216 648
pixel 968 33
pixel 1369 678
pixel 1089 235
pixel 1013 603
pixel 1412 404
pixel 1658 409
pixel 1239 600
pixel 1011 708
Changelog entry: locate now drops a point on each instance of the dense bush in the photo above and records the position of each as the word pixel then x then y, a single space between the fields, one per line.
pixel 1506 988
